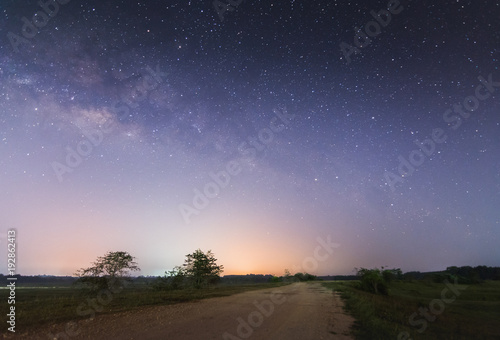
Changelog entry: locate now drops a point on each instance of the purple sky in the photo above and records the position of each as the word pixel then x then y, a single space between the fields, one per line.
pixel 156 128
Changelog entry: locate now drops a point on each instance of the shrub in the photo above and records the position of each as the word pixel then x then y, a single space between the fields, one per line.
pixel 377 280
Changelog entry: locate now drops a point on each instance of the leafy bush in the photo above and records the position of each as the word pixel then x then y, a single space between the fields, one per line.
pixel 199 270
pixel 377 280
pixel 275 279
pixel 173 279
pixel 304 277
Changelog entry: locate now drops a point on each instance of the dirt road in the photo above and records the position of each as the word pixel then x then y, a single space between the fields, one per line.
pixel 298 311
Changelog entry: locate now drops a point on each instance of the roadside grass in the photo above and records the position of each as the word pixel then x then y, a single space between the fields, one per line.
pixel 36 307
pixel 474 314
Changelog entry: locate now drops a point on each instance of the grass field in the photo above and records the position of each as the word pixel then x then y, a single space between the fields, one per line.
pixel 473 314
pixel 40 306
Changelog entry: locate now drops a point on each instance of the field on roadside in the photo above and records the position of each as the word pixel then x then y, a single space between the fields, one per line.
pixel 36 307
pixel 473 314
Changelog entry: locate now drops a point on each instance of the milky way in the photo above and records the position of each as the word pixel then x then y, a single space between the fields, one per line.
pixel 252 128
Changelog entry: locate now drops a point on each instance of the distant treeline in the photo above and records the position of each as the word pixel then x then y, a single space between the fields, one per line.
pixel 338 277
pixel 464 274
pixel 476 273
pixel 66 281
pixel 467 274
pixel 41 280
pixel 242 279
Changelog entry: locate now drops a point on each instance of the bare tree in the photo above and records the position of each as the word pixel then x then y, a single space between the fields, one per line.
pixel 108 271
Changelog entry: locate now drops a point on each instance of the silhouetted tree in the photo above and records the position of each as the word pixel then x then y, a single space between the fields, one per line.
pixel 201 269
pixel 287 277
pixel 108 271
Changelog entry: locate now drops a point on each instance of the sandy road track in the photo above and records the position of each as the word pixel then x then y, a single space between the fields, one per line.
pixel 297 311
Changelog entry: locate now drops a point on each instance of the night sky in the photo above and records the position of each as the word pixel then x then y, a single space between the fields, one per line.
pixel 258 130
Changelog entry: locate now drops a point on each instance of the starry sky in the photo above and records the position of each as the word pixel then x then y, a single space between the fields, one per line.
pixel 257 129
